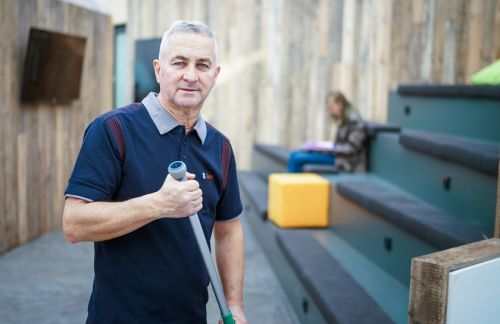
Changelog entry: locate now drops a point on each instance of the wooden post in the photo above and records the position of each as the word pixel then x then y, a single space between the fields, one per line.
pixel 497 218
pixel 430 273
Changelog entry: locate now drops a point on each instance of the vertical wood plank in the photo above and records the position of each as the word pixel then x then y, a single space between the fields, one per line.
pixel 462 37
pixel 4 111
pixel 382 60
pixel 473 62
pixel 9 38
pixel 497 218
pixel 496 37
pixel 22 180
pixel 487 51
pixel 448 75
pixel 59 165
pixel 427 41
pixel 441 14
pixel 400 36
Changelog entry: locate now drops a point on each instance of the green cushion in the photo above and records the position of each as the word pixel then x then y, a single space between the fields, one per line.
pixel 488 75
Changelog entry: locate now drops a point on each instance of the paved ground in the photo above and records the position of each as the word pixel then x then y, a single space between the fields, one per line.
pixel 49 281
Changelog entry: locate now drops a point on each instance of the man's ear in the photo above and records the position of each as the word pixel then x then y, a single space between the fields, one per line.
pixel 156 68
pixel 217 70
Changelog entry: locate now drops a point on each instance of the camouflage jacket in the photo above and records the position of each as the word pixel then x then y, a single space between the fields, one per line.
pixel 350 145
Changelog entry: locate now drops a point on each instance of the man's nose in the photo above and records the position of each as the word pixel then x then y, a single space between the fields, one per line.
pixel 191 76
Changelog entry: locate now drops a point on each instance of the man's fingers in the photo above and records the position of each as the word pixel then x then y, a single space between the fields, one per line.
pixel 190 176
pixel 191 185
pixel 197 198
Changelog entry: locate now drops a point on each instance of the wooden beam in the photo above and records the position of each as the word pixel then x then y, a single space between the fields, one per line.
pixel 497 218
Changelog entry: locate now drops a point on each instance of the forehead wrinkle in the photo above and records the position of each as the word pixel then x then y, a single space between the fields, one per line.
pixel 189 47
pixel 183 58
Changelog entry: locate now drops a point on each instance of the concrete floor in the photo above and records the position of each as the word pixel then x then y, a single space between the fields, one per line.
pixel 49 281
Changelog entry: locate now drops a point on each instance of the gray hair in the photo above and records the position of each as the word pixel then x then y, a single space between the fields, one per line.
pixel 185 26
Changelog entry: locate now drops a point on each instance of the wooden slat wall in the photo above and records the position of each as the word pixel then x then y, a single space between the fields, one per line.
pixel 279 58
pixel 39 142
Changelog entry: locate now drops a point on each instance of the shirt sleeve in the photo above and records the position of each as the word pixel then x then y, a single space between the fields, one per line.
pixel 96 175
pixel 229 205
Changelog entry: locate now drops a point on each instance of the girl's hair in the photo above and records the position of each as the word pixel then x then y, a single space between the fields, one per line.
pixel 337 96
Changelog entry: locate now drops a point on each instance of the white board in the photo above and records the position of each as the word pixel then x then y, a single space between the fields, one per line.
pixel 474 294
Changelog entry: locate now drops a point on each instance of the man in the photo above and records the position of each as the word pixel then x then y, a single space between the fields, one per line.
pixel 147 265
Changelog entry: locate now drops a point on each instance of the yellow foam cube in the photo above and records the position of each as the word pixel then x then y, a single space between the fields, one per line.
pixel 298 200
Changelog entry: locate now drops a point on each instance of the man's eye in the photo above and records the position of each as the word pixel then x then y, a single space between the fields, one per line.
pixel 178 64
pixel 203 66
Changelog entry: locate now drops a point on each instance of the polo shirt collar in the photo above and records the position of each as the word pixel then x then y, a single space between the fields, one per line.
pixel 165 122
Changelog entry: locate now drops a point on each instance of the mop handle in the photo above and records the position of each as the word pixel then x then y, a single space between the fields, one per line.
pixel 178 170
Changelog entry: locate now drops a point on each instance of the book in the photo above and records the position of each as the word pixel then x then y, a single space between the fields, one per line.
pixel 319 146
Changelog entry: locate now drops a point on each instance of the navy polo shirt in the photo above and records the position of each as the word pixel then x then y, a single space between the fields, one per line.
pixel 154 274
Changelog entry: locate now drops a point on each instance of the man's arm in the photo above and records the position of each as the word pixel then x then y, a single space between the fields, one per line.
pixel 99 221
pixel 230 257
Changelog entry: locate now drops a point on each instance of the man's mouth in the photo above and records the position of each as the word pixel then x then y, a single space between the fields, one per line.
pixel 189 89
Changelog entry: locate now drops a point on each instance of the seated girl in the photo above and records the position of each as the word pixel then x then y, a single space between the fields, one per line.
pixel 348 152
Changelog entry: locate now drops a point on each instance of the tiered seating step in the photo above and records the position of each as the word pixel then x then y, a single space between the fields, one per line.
pixel 373 128
pixel 479 155
pixel 414 216
pixel 338 296
pixel 451 90
pixel 256 190
pixel 267 159
pixel 389 293
pixel 470 111
pixel 451 186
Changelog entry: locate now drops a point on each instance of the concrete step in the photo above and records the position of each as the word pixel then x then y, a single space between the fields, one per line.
pixel 267 159
pixel 455 188
pixel 447 112
pixel 384 243
pixel 390 294
pixel 301 298
pixel 340 298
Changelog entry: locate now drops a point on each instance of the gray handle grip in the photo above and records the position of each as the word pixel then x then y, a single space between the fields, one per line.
pixel 178 171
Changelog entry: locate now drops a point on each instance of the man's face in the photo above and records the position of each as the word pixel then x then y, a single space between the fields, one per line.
pixel 187 70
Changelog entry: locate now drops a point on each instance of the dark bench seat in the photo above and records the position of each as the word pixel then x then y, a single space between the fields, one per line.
pixel 451 90
pixel 479 155
pixel 373 128
pixel 337 295
pixel 267 159
pixel 414 216
pixel 278 153
pixel 256 190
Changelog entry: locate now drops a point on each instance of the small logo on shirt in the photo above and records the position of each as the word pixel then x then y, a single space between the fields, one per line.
pixel 207 176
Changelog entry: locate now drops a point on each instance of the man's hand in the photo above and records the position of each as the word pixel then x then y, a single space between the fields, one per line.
pixel 179 198
pixel 238 315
